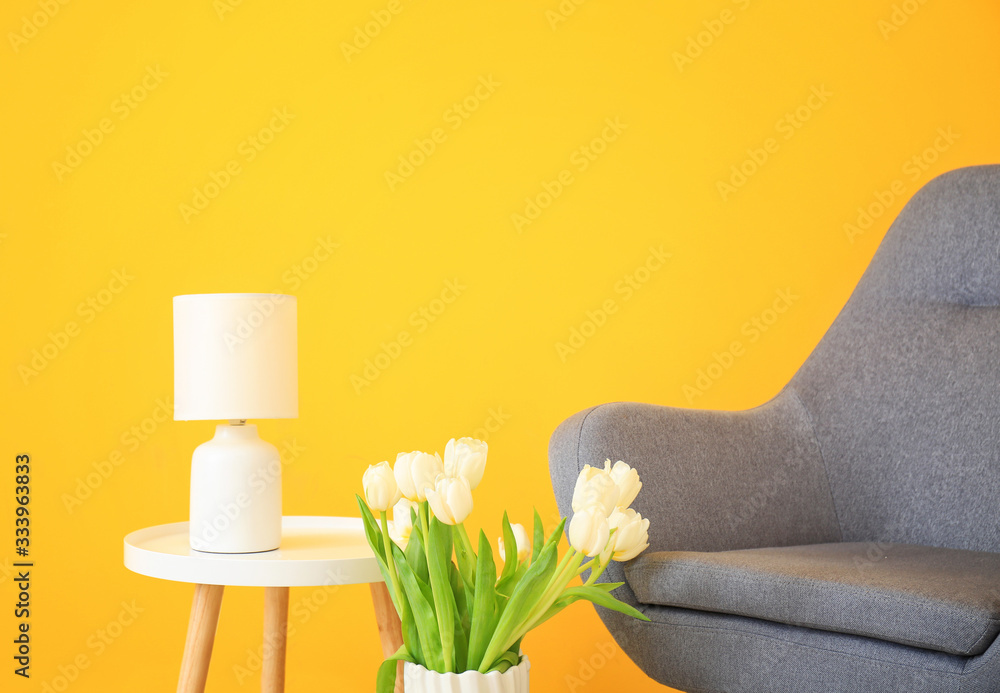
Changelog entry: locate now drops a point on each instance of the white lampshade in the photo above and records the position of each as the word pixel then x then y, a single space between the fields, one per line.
pixel 235 357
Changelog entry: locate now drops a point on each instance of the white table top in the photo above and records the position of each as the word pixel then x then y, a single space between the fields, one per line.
pixel 314 551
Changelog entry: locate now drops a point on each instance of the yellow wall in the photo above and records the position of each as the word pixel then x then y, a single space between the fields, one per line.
pixel 844 99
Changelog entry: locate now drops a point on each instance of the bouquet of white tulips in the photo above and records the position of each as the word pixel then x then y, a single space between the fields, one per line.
pixel 457 613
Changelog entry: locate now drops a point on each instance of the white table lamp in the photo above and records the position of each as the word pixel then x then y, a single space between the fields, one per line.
pixel 235 358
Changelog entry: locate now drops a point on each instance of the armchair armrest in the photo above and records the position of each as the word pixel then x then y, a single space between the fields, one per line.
pixel 712 480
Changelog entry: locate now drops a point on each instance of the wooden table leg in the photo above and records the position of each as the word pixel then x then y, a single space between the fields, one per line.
pixel 272 675
pixel 200 638
pixel 390 630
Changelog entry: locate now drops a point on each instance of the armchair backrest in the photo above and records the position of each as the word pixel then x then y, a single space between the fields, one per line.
pixel 904 388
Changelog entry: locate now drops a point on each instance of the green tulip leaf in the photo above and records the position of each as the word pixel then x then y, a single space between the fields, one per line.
pixel 602 598
pixel 484 607
pixel 375 541
pixel 556 533
pixel 462 620
pixel 438 560
pixel 411 637
pixel 510 575
pixel 415 554
pixel 372 532
pixel 463 601
pixel 538 537
pixel 556 607
pixel 424 618
pixel 607 586
pixel 525 595
pixel 385 681
pixel 506 586
pixel 505 661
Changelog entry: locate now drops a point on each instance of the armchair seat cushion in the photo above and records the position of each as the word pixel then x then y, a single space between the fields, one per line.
pixel 947 600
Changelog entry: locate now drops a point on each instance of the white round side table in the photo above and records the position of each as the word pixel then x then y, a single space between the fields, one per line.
pixel 314 551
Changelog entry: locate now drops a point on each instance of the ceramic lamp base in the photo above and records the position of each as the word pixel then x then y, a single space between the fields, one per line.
pixel 235 493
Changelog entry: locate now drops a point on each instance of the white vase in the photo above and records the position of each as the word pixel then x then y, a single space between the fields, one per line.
pixel 417 679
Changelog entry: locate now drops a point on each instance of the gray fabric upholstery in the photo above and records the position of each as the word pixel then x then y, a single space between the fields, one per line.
pixel 735 463
pixel 890 432
pixel 939 599
pixel 903 388
pixel 703 652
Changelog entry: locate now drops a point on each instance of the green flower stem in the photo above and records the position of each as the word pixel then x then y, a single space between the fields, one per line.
pixel 567 557
pixel 390 561
pixel 567 570
pixel 463 536
pixel 564 572
pixel 447 653
pixel 595 570
pixel 595 573
pixel 467 563
pixel 422 512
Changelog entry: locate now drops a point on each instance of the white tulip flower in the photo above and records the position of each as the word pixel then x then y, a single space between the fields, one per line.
pixel 401 513
pixel 589 531
pixel 400 534
pixel 466 457
pixel 595 486
pixel 450 499
pixel 627 481
pixel 606 554
pixel 415 473
pixel 523 544
pixel 631 535
pixel 381 490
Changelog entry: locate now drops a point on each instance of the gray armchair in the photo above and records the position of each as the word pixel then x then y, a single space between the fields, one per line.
pixel 844 536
